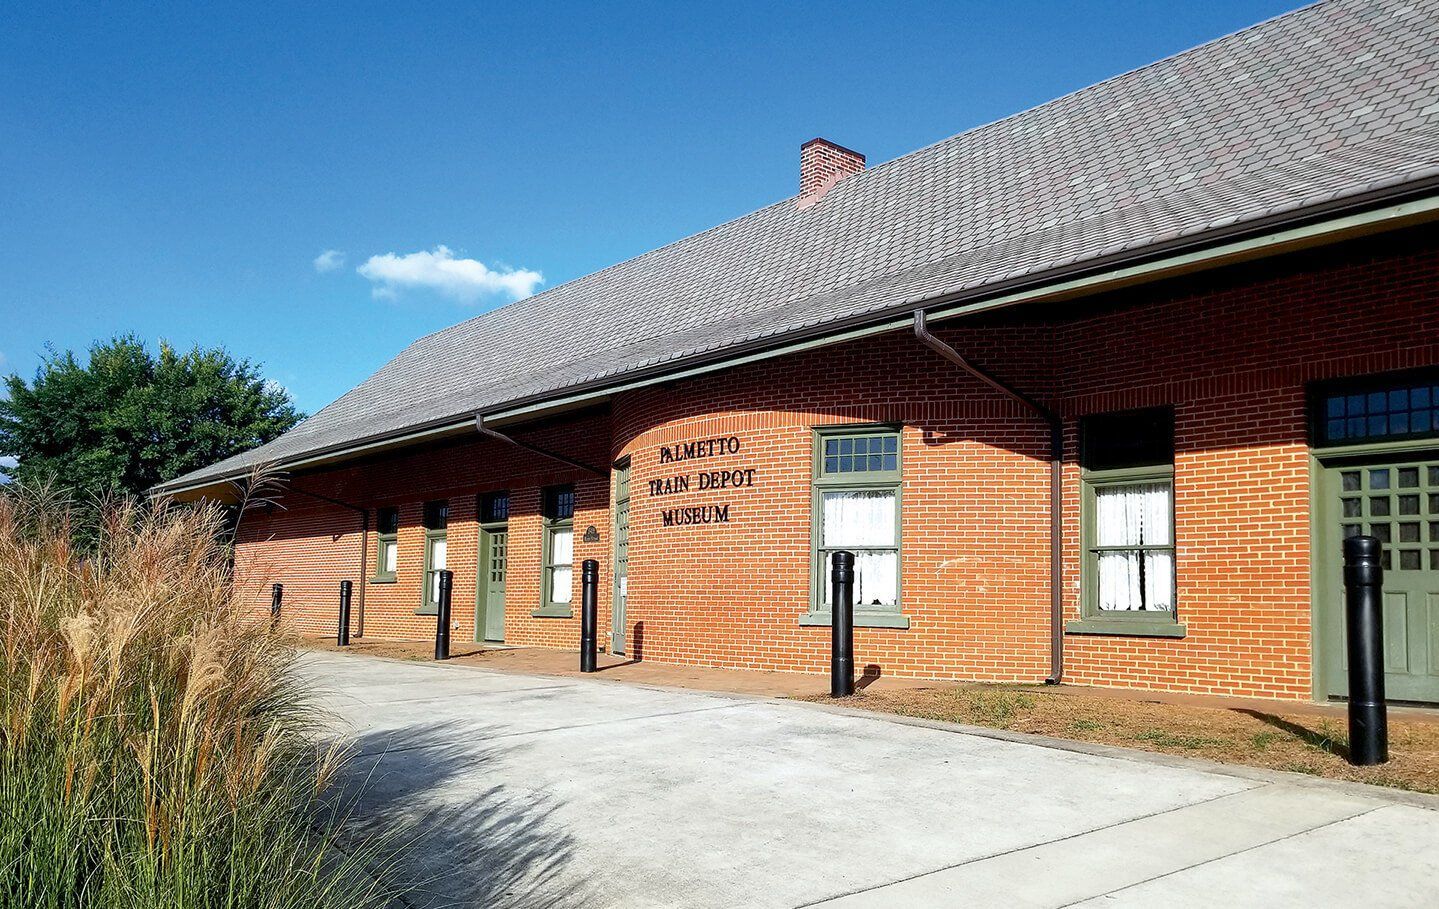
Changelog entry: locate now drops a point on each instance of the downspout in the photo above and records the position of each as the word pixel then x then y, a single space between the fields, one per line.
pixel 536 449
pixel 364 549
pixel 1056 487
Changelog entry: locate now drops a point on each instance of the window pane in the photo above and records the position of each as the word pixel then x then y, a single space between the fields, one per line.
pixel 388 556
pixel 437 562
pixel 436 515
pixel 861 454
pixel 1159 581
pixel 1119 581
pixel 559 503
pixel 1402 411
pixel 858 518
pixel 1133 581
pixel 495 507
pixel 876 579
pixel 1132 438
pixel 388 520
pixel 562 547
pixel 560 584
pixel 1137 515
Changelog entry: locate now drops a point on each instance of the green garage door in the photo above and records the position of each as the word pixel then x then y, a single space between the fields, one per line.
pixel 1397 501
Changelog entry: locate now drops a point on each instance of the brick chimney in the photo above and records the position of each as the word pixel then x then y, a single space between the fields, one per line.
pixel 822 164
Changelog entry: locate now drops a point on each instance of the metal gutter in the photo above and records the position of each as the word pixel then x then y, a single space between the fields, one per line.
pixel 1313 226
pixel 1096 278
pixel 536 449
pixel 1056 487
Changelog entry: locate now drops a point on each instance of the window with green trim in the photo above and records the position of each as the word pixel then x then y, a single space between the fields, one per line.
pixel 557 507
pixel 495 507
pixel 1382 408
pixel 387 547
pixel 436 521
pixel 857 508
pixel 1127 515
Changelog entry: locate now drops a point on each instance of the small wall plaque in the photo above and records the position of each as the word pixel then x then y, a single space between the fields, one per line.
pixel 592 534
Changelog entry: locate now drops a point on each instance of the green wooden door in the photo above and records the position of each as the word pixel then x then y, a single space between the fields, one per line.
pixel 622 558
pixel 1397 501
pixel 494 562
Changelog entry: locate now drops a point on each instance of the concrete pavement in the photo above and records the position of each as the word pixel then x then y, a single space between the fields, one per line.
pixel 536 791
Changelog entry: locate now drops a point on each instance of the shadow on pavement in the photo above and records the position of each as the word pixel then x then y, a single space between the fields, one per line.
pixel 456 840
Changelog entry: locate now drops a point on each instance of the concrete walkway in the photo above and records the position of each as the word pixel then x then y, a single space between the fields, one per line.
pixel 523 790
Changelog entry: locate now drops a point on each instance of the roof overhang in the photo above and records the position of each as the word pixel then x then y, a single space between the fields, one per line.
pixel 1290 232
pixel 1050 288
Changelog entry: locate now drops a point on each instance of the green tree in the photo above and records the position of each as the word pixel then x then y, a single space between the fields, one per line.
pixel 129 419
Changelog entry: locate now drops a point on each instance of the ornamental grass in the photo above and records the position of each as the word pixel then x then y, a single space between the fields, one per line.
pixel 156 746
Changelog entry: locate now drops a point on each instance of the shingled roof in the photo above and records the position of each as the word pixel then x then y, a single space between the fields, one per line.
pixel 1333 101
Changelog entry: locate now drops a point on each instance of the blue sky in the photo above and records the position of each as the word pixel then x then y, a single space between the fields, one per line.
pixel 180 171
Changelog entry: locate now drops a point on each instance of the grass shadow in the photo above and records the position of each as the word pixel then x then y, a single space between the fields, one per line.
pixel 1323 739
pixel 459 841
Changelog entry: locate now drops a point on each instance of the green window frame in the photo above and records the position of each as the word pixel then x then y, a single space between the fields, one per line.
pixel 494 507
pixel 436 521
pixel 858 468
pixel 1376 409
pixel 387 545
pixel 557 508
pixel 1127 484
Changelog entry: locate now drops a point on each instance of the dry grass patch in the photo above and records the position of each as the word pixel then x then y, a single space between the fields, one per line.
pixel 1294 742
pixel 400 650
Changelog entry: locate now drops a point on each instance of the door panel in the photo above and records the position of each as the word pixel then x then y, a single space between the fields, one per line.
pixel 1396 625
pixel 622 558
pixel 1397 501
pixel 494 566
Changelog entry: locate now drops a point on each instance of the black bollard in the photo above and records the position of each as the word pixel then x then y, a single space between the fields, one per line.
pixel 841 653
pixel 342 637
pixel 589 599
pixel 277 592
pixel 1364 618
pixel 442 616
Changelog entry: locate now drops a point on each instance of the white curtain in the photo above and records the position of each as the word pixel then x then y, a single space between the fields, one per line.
pixel 437 561
pixel 389 561
pixel 862 519
pixel 858 519
pixel 1135 516
pixel 562 555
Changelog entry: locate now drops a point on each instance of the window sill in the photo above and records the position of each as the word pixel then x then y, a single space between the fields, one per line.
pixel 861 619
pixel 383 579
pixel 553 612
pixel 1127 628
pixel 428 610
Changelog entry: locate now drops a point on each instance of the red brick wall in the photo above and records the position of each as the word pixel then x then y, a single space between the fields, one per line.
pixel 310 545
pixel 1231 352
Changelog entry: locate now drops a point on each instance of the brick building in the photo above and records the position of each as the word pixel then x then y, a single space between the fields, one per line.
pixel 1093 393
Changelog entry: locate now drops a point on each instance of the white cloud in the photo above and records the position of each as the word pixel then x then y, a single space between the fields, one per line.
pixel 466 280
pixel 329 260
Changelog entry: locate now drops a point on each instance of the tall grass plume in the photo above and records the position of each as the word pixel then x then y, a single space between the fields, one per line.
pixel 156 748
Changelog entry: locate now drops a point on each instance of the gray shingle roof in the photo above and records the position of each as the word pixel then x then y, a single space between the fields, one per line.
pixel 1330 101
